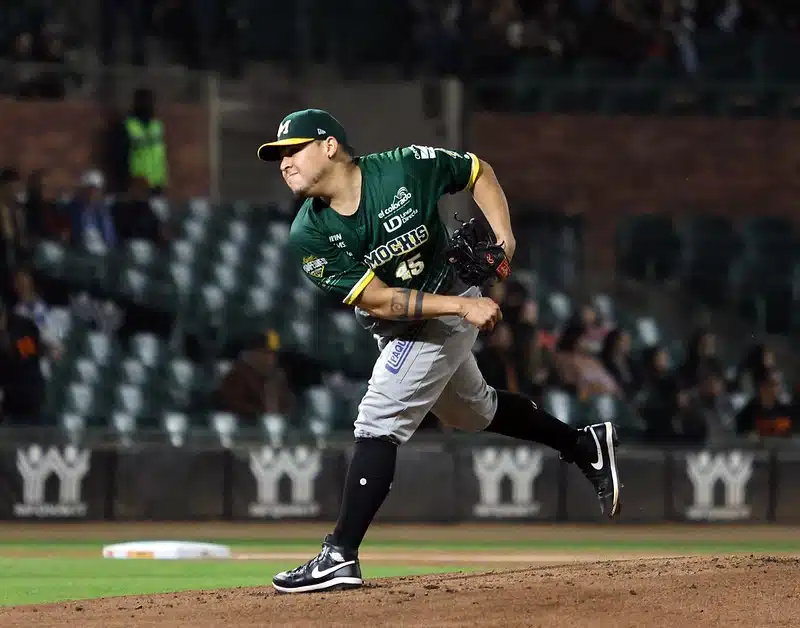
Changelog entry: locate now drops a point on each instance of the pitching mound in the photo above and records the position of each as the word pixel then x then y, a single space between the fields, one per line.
pixel 700 591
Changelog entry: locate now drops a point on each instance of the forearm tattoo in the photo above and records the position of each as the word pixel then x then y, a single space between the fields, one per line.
pixel 401 304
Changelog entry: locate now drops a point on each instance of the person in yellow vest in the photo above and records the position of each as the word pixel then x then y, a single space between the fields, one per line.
pixel 144 148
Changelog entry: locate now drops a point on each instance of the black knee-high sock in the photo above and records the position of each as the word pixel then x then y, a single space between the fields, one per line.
pixel 368 480
pixel 519 417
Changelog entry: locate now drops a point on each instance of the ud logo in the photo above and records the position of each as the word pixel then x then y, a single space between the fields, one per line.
pixel 301 466
pixel 521 465
pixel 705 470
pixel 36 466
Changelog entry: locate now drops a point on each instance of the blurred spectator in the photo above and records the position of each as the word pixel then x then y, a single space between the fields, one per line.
pixel 52 80
pixel 437 36
pixel 46 219
pixel 20 369
pixel 14 244
pixel 660 401
pixel 500 364
pixel 92 224
pixel 616 358
pixel 39 68
pixel 757 359
pixel 140 148
pixel 31 306
pixel 594 329
pixel 133 216
pixel 256 384
pixel 618 30
pixel 112 14
pixel 578 370
pixel 710 417
pixel 701 357
pixel 548 30
pixel 766 414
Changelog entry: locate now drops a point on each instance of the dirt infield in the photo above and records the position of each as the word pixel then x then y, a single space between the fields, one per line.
pixel 698 591
pixel 527 588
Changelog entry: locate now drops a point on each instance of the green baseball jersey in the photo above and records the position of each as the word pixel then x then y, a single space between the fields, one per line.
pixel 396 234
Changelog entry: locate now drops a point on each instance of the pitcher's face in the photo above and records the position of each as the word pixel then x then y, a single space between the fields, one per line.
pixel 304 166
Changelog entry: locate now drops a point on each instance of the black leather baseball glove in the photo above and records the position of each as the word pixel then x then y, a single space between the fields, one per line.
pixel 475 256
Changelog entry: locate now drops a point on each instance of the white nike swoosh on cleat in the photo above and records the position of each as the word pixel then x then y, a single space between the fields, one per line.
pixel 321 574
pixel 599 464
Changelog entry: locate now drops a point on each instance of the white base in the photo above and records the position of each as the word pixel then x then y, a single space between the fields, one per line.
pixel 166 550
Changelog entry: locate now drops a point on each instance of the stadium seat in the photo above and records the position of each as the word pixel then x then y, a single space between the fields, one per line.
pixel 183 251
pixel 129 399
pixel 179 383
pixel 176 427
pixel 320 405
pixel 74 426
pixel 161 208
pixel 224 425
pixel 229 254
pixel 140 253
pixel 146 348
pixel 182 279
pixel 86 371
pixel 711 246
pixel 258 301
pixel 49 258
pixel 274 427
pixel 79 400
pixel 221 369
pixel 238 232
pixel 647 247
pixel 560 306
pixel 194 231
pixel 134 372
pixel 124 427
pixel 278 233
pixel 225 278
pixel 560 404
pixel 320 429
pixel 99 347
pixel 60 319
pixel 199 209
pixel 647 331
pixel 135 284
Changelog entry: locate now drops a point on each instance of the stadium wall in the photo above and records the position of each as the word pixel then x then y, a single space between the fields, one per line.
pixel 67 138
pixel 445 480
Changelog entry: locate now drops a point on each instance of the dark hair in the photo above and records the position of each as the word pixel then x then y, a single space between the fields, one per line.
pixel 571 336
pixel 9 175
pixel 610 343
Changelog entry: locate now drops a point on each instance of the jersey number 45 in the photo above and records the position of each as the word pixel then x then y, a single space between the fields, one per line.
pixel 409 268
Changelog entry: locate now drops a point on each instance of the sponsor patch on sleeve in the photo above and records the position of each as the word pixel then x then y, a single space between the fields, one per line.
pixel 314 266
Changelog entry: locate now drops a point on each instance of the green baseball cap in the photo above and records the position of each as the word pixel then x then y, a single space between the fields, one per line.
pixel 302 127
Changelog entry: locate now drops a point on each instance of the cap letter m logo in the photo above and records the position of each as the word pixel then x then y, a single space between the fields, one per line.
pixel 283 129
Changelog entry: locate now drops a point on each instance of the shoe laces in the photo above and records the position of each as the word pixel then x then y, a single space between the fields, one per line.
pixel 311 563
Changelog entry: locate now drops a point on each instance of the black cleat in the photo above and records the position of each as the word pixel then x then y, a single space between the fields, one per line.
pixel 333 569
pixel 601 467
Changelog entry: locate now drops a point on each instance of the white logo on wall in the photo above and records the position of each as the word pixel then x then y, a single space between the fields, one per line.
pixel 522 465
pixel 36 466
pixel 301 466
pixel 705 470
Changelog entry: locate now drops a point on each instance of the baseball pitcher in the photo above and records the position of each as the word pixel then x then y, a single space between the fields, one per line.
pixel 369 232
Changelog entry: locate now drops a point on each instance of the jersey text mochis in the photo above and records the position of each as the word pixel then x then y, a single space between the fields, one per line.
pixel 396 247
